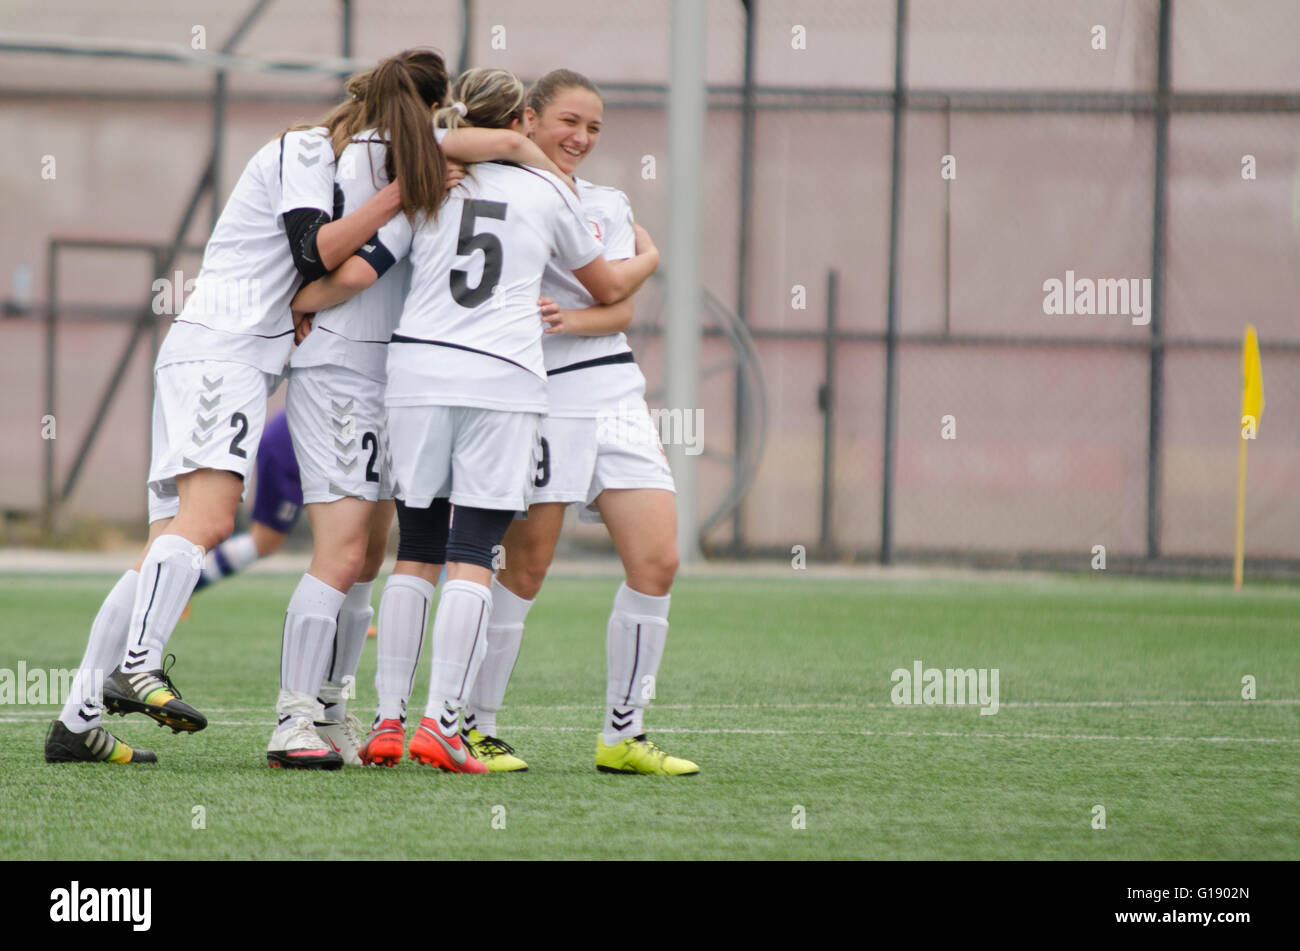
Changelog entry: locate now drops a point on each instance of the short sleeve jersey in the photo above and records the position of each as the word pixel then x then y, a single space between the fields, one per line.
pixel 582 377
pixel 470 332
pixel 239 307
pixel 355 333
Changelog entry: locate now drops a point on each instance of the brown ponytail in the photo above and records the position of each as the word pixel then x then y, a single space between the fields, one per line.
pixel 397 102
pixel 395 99
pixel 344 120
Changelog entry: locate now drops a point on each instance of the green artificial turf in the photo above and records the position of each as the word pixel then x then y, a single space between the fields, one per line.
pixel 779 689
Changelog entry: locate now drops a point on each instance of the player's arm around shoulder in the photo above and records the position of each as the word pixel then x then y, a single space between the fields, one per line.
pixel 351 278
pixel 611 282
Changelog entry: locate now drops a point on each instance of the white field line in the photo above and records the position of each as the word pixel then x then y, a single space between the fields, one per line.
pixel 848 707
pixel 939 733
pixel 944 734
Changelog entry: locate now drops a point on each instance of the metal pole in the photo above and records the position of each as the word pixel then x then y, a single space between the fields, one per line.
pixel 466 24
pixel 947 223
pixel 219 103
pixel 686 118
pixel 218 136
pixel 346 28
pixel 742 255
pixel 149 390
pixel 827 401
pixel 1154 410
pixel 891 332
pixel 51 350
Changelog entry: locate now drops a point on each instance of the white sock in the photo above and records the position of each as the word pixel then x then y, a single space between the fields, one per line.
pixel 634 645
pixel 233 555
pixel 291 706
pixel 459 644
pixel 349 640
pixel 403 614
pixel 309 626
pixel 171 566
pixel 81 709
pixel 505 632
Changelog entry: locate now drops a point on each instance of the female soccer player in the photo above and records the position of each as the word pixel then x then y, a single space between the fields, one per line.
pixel 599 450
pixel 217 365
pixel 466 391
pixel 336 411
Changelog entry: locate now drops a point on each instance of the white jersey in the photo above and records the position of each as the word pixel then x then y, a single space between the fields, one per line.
pixel 586 375
pixel 355 333
pixel 471 331
pixel 239 308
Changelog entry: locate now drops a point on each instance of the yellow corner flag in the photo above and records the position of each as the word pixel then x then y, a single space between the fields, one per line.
pixel 1252 408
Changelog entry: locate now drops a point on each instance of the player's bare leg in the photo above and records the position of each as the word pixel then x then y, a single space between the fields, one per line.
pixel 643 526
pixel 529 549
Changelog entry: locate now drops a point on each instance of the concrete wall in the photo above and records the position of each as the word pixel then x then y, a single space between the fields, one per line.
pixel 1051 441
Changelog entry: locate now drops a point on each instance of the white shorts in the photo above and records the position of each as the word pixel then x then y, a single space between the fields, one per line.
pixel 336 419
pixel 479 458
pixel 207 414
pixel 582 457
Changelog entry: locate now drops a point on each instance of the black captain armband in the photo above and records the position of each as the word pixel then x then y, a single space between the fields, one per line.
pixel 376 255
pixel 301 225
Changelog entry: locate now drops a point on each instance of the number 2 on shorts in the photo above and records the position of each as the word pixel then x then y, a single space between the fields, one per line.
pixel 238 421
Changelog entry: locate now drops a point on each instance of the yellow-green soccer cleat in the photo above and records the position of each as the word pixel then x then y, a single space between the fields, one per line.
pixel 639 755
pixel 497 755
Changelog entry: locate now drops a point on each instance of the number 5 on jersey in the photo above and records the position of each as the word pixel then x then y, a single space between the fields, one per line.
pixel 468 243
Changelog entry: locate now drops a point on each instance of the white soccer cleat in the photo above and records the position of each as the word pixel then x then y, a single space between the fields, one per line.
pixel 343 738
pixel 296 745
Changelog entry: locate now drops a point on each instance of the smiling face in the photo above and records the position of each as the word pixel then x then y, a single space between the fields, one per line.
pixel 569 126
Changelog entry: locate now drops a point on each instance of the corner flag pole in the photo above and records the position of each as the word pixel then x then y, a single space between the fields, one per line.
pixel 1252 408
pixel 1238 564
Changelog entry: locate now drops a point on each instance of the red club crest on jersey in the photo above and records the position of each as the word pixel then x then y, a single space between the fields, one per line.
pixel 595 228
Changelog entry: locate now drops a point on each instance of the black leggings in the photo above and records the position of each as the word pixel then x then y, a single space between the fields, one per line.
pixel 422 533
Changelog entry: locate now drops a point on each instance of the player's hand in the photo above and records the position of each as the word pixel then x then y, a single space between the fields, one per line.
pixel 301 326
pixel 644 242
pixel 455 173
pixel 552 316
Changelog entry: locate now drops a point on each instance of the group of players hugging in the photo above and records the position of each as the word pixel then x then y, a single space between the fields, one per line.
pixel 450 301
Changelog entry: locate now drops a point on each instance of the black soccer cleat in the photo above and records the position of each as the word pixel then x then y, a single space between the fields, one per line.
pixel 152 693
pixel 93 746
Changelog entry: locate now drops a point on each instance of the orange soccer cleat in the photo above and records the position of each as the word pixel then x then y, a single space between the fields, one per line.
pixel 432 747
pixel 384 745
